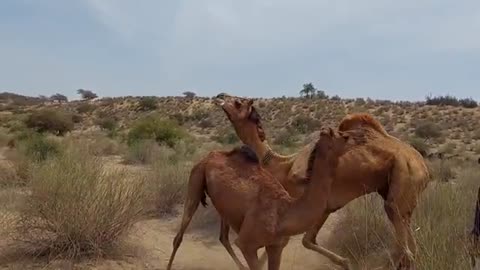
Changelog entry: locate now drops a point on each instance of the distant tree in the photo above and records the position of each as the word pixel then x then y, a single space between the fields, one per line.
pixel 59 98
pixel 336 97
pixel 308 90
pixel 86 94
pixel 43 98
pixel 189 94
pixel 321 94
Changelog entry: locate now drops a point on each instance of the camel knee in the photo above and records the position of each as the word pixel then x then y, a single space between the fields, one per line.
pixel 177 240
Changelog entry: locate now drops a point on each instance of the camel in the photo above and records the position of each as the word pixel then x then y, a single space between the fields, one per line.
pixel 256 205
pixel 384 164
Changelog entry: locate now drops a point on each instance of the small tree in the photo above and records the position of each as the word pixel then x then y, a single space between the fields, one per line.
pixel 59 98
pixel 308 90
pixel 189 94
pixel 87 94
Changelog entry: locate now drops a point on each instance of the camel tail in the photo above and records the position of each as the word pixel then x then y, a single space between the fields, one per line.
pixel 196 194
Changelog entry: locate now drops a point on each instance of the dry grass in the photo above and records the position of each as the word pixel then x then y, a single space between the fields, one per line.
pixel 441 223
pixel 76 208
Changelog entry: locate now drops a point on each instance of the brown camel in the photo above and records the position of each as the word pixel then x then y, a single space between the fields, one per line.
pixel 384 164
pixel 256 205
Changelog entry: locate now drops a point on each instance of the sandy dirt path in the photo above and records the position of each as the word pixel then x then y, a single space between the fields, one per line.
pixel 151 244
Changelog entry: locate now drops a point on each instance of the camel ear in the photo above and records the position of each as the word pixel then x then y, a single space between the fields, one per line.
pixel 254 116
pixel 250 102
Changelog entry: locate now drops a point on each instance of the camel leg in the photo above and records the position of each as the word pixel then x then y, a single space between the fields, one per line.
pixel 224 239
pixel 403 234
pixel 194 193
pixel 187 217
pixel 309 241
pixel 275 254
pixel 250 255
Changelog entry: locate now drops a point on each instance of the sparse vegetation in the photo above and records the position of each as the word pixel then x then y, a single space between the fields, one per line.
pixel 77 208
pixel 147 104
pixel 427 129
pixel 163 131
pixel 86 108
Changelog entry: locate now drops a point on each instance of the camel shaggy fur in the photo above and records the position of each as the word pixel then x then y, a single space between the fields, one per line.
pixel 256 205
pixel 383 164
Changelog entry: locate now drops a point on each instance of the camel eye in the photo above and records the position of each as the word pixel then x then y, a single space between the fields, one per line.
pixel 238 104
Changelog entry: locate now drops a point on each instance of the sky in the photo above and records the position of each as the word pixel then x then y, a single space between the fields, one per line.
pixel 383 49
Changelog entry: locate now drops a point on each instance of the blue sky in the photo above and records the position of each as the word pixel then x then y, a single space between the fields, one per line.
pixel 372 48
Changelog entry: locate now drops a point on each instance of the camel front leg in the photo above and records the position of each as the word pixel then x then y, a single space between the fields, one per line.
pixel 224 239
pixel 309 241
pixel 275 254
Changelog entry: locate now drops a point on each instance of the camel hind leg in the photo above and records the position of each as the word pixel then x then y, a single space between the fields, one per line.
pixel 399 206
pixel 224 239
pixel 195 194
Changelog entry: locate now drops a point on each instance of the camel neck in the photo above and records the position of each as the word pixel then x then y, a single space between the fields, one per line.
pixel 311 205
pixel 267 156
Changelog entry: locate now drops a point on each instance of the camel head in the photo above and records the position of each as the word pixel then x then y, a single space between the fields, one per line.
pixel 332 144
pixel 243 116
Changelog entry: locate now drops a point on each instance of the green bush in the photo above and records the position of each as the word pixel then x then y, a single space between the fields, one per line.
pixel 147 104
pixel 54 121
pixel 163 131
pixel 77 208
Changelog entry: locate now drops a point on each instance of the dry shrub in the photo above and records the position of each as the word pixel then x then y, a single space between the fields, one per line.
pixel 167 182
pixel 77 208
pixel 103 146
pixel 142 152
pixel 365 232
pixel 442 170
pixel 4 137
pixel 441 224
pixel 8 175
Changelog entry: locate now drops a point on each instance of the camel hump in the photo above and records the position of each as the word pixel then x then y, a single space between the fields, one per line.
pixel 356 120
